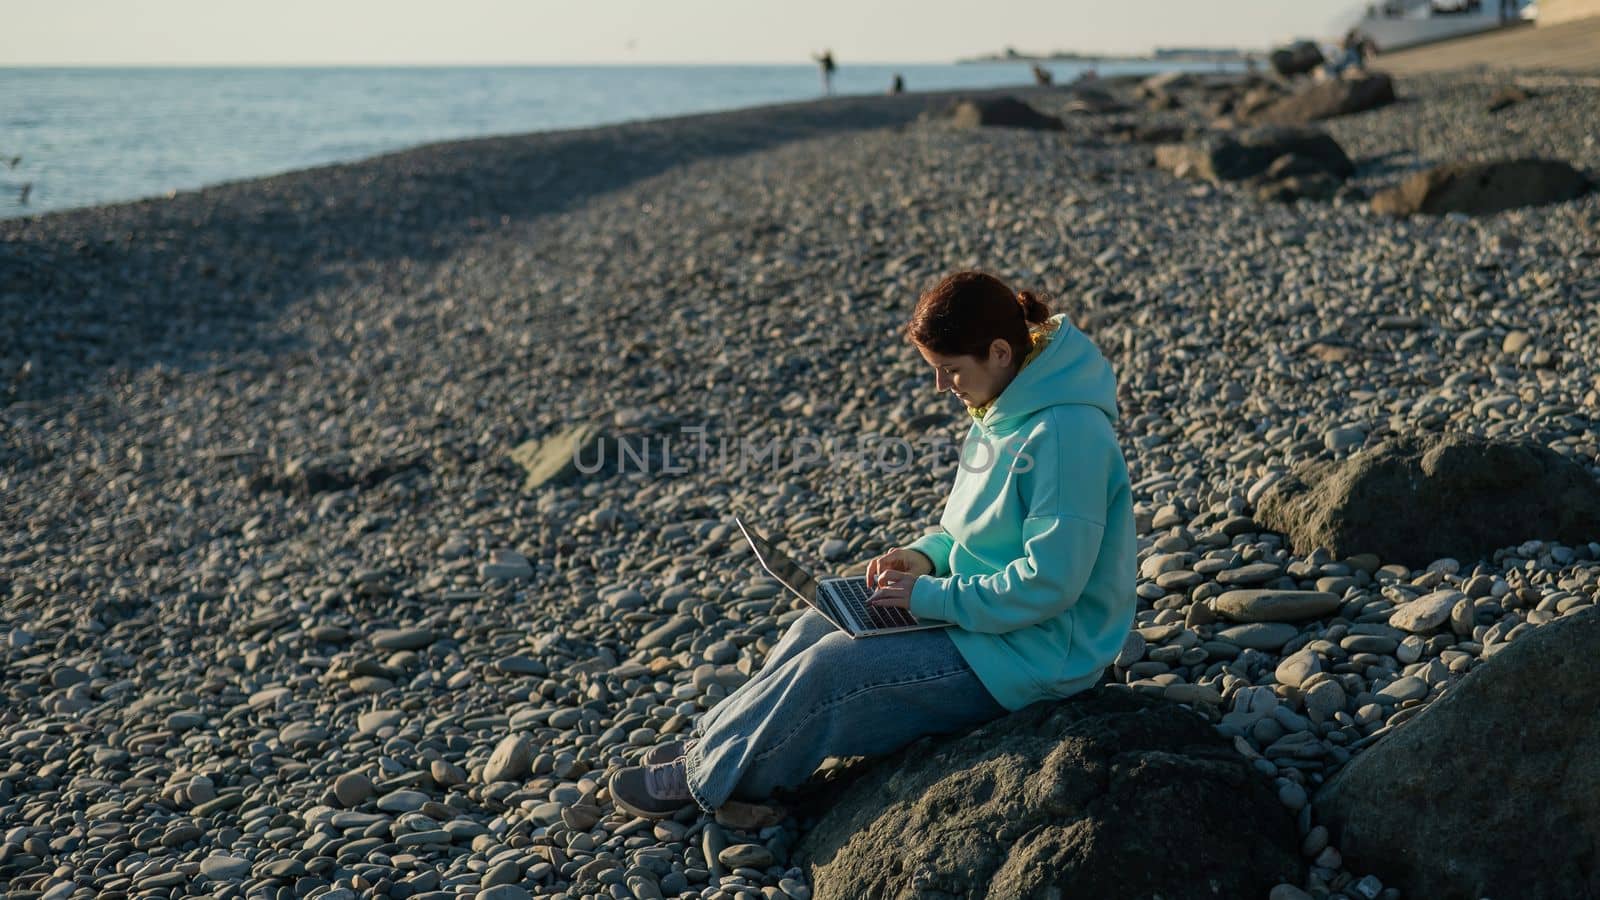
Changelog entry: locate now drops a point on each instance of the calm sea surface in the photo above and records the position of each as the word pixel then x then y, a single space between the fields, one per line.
pixel 99 135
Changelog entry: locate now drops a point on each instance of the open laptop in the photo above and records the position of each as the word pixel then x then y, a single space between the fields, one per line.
pixel 842 601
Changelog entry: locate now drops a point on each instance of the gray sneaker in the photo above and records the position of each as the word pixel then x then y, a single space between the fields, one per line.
pixel 652 792
pixel 665 753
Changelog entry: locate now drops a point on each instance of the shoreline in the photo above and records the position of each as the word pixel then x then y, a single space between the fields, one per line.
pixel 644 110
pixel 849 105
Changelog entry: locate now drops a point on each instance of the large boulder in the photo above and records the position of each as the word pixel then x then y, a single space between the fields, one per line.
pixel 1417 499
pixel 1001 112
pixel 1297 58
pixel 1336 97
pixel 1483 188
pixel 1106 794
pixel 1246 154
pixel 1493 790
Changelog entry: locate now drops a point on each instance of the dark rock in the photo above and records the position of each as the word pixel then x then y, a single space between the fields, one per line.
pixel 1291 164
pixel 1483 188
pixel 1297 58
pixel 1222 106
pixel 1252 152
pixel 1001 112
pixel 316 475
pixel 1338 97
pixel 1507 97
pixel 1094 102
pixel 1107 794
pixel 1144 133
pixel 1298 187
pixel 1244 97
pixel 1416 809
pixel 1416 499
pixel 1352 193
pixel 1255 100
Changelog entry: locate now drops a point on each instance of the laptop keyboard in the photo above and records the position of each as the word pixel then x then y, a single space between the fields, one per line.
pixel 854 593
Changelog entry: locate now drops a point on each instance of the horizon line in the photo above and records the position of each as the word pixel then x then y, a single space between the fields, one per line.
pixel 1147 55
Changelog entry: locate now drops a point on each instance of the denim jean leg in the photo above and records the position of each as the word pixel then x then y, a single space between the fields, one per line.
pixel 840 697
pixel 803 632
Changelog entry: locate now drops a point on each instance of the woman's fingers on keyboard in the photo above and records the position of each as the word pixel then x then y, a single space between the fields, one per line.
pixel 893 591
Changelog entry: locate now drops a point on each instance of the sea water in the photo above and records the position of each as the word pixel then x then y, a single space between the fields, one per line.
pixel 88 136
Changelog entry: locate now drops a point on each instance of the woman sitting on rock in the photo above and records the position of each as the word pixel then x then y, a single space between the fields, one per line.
pixel 1033 565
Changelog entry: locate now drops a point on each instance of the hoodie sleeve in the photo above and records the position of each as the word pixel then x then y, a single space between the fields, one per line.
pixel 1065 494
pixel 935 546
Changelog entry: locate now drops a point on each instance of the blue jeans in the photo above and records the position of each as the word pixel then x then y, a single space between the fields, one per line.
pixel 822 694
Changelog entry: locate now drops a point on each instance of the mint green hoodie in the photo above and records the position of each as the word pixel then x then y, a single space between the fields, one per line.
pixel 1034 560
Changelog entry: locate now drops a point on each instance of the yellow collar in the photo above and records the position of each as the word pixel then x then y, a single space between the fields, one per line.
pixel 1039 337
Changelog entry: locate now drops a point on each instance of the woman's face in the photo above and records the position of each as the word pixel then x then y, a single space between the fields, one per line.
pixel 975 382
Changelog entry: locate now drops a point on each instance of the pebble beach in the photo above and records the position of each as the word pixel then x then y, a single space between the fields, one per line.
pixel 282 618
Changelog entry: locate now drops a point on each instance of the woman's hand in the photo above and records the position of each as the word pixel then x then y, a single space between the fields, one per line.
pixel 894 589
pixel 892 575
pixel 898 559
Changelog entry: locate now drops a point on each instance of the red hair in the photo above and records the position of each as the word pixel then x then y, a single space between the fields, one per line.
pixel 965 312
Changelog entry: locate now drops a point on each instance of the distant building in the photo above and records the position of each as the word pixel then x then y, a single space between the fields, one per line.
pixel 1198 53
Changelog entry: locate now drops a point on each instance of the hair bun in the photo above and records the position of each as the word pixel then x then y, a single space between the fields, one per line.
pixel 1034 310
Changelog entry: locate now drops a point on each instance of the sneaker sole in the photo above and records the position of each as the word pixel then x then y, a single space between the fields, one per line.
pixel 624 805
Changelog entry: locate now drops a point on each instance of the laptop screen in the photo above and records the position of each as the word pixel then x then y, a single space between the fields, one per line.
pixel 783 567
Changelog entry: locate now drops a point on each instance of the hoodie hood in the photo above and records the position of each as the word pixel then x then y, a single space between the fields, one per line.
pixel 1068 370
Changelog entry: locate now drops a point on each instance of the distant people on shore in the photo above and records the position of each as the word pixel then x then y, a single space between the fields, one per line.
pixel 825 64
pixel 1354 50
pixel 1042 76
pixel 898 86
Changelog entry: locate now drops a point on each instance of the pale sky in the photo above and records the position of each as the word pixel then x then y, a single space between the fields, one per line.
pixel 485 32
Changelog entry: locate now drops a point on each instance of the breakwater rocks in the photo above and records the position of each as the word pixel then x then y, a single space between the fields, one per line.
pixel 282 618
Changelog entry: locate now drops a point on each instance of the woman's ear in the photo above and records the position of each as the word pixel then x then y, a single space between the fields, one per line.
pixel 1000 352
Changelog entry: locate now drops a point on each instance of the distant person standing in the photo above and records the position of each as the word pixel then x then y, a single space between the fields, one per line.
pixel 825 64
pixel 1042 76
pixel 898 86
pixel 1353 53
